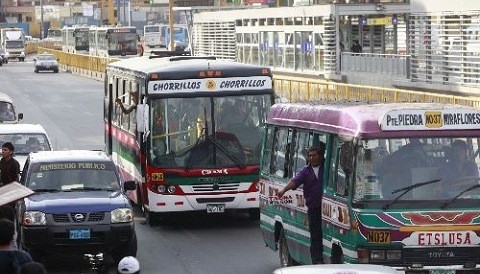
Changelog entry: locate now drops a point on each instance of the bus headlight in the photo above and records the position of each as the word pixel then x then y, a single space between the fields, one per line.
pixel 377 255
pixel 161 189
pixel 34 218
pixel 121 215
pixel 394 255
pixel 171 189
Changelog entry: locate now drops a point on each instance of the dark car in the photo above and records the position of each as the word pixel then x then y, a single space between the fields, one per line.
pixel 46 62
pixel 79 206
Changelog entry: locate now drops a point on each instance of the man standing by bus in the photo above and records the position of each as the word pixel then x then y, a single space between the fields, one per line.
pixel 311 176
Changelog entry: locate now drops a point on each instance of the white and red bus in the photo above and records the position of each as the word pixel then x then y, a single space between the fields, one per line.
pixel 193 140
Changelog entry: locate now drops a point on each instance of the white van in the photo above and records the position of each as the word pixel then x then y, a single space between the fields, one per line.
pixel 8 113
pixel 25 138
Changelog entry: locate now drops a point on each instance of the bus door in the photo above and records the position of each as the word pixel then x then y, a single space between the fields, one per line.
pixel 335 204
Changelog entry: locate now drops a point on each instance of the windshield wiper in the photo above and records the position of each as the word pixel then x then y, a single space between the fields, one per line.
pixel 91 189
pixel 46 190
pixel 224 150
pixel 472 187
pixel 406 190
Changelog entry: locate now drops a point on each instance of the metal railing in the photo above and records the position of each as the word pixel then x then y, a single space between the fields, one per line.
pixel 391 64
pixel 291 88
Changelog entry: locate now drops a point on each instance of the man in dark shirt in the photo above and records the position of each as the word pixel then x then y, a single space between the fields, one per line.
pixel 311 176
pixel 10 260
pixel 9 167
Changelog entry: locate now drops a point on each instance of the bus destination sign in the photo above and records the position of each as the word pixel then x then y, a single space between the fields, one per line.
pixel 442 119
pixel 210 84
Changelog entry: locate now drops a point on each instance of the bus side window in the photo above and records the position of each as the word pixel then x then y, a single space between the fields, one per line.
pixel 301 147
pixel 267 150
pixel 280 163
pixel 345 168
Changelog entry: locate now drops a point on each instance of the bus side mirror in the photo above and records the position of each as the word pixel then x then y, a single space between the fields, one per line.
pixel 20 116
pixel 129 185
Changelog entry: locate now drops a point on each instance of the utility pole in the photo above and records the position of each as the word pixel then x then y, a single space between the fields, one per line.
pixel 41 20
pixel 171 21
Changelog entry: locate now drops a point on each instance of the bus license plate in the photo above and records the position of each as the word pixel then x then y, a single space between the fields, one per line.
pixel 215 208
pixel 76 234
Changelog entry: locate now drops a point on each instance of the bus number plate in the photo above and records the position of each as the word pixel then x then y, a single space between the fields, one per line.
pixel 382 237
pixel 215 208
pixel 76 234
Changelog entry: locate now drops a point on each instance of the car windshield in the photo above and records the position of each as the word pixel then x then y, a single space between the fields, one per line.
pixel 25 143
pixel 424 168
pixel 15 44
pixel 46 58
pixel 73 177
pixel 7 112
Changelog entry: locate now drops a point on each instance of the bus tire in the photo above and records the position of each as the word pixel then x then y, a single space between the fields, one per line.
pixel 283 252
pixel 337 255
pixel 152 218
pixel 254 214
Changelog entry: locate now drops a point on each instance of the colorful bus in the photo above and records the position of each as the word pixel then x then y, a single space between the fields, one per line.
pixel 75 39
pixel 109 41
pixel 392 191
pixel 193 140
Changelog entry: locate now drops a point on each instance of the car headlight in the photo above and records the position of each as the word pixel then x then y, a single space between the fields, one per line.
pixel 122 215
pixel 22 53
pixel 34 218
pixel 7 54
pixel 376 255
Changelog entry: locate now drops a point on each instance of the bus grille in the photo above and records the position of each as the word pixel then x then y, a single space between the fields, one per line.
pixel 441 256
pixel 216 187
pixel 215 200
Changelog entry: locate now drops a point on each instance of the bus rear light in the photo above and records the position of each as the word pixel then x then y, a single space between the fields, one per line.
pixel 251 199
pixel 178 203
pixel 161 204
pixel 155 76
pixel 210 73
pixel 363 255
pixel 265 71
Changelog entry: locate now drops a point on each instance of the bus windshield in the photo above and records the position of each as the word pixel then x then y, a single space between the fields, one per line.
pixel 423 168
pixel 152 29
pixel 15 44
pixel 207 132
pixel 81 38
pixel 122 41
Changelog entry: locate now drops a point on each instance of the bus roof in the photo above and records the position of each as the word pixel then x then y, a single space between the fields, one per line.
pixel 378 120
pixel 189 66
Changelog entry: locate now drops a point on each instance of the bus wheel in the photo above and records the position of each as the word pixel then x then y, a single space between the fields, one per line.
pixel 254 214
pixel 285 258
pixel 153 219
pixel 337 255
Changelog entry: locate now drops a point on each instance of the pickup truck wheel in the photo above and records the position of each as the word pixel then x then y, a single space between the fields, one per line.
pixel 126 250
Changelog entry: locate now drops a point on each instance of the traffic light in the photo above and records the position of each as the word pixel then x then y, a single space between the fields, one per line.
pixel 394 19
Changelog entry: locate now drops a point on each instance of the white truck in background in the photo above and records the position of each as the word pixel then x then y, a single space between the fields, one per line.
pixel 12 42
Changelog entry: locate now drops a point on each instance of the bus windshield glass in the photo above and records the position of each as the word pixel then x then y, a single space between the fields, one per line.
pixel 424 168
pixel 152 29
pixel 81 38
pixel 207 132
pixel 122 41
pixel 15 44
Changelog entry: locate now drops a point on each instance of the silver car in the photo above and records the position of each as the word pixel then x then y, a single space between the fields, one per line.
pixel 46 62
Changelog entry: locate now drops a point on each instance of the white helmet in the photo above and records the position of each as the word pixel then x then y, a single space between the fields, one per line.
pixel 128 265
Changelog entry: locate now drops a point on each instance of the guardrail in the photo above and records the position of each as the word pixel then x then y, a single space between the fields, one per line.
pixel 392 64
pixel 292 88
